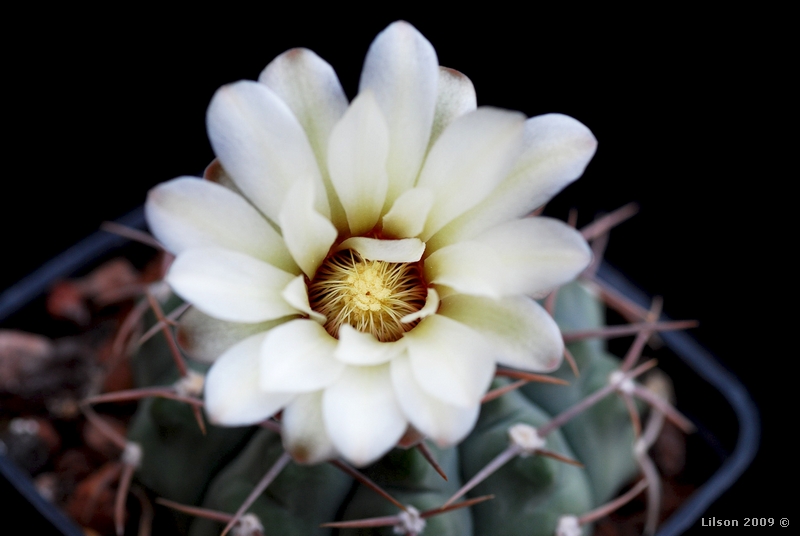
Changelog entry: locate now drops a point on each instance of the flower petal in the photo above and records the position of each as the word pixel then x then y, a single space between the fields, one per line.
pixel 359 348
pixel 311 89
pixel 444 423
pixel 205 338
pixel 557 150
pixel 527 256
pixel 468 161
pixel 361 414
pixel 262 146
pixel 296 295
pixel 359 145
pixel 523 335
pixel 230 285
pixel 455 97
pixel 232 395
pixel 402 69
pixel 303 430
pixel 373 249
pixel 466 267
pixel 307 233
pixel 192 213
pixel 430 307
pixel 298 357
pixel 450 361
pixel 407 216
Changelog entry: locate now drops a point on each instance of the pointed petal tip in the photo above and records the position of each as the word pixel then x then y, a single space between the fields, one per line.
pixel 401 25
pixel 402 67
pixel 297 53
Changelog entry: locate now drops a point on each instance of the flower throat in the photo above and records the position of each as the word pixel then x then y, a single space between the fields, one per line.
pixel 371 296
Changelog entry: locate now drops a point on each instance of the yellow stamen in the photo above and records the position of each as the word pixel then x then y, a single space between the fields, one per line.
pixel 371 296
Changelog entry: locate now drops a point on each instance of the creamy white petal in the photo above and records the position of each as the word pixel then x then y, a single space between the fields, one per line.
pixel 527 256
pixel 303 430
pixel 373 249
pixel 450 361
pixel 468 266
pixel 557 150
pixel 362 416
pixel 311 89
pixel 189 213
pixel 359 146
pixel 468 161
pixel 402 69
pixel 230 285
pixel 407 216
pixel 538 253
pixel 262 146
pixel 205 338
pixel 359 348
pixel 296 295
pixel 430 307
pixel 523 335
pixel 232 395
pixel 298 357
pixel 444 423
pixel 455 97
pixel 307 233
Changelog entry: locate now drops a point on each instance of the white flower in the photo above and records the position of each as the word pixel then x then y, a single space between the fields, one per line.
pixel 363 267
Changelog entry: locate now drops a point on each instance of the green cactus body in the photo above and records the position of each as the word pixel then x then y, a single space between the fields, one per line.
pixel 532 492
pixel 602 436
pixel 220 469
pixel 178 460
pixel 300 499
pixel 409 478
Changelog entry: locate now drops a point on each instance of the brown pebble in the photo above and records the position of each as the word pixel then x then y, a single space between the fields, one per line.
pixel 48 434
pixel 47 486
pixel 119 378
pixel 66 301
pixel 22 356
pixel 111 282
pixel 72 466
pixel 669 451
pixel 92 503
pixel 99 442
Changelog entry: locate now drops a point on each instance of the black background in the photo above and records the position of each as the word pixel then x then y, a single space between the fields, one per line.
pixel 687 108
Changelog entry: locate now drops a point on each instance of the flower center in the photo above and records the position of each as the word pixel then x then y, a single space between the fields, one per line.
pixel 371 296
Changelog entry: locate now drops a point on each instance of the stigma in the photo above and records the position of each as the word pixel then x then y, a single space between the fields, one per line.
pixel 371 296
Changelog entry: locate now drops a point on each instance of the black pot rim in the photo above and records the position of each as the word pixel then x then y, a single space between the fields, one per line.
pixel 683 345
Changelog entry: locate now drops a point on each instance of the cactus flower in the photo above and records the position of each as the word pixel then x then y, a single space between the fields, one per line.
pixel 363 267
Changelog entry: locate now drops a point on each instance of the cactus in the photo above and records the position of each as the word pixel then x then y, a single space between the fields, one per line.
pixel 600 436
pixel 298 501
pixel 362 277
pixel 530 493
